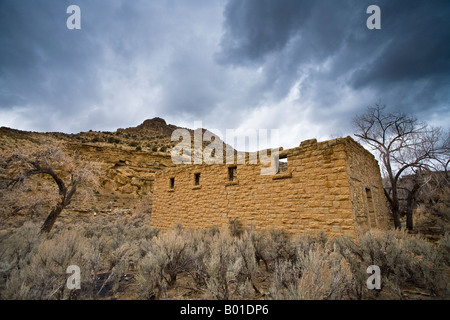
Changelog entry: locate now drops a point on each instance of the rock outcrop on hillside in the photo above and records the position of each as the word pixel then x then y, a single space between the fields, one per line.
pixel 128 160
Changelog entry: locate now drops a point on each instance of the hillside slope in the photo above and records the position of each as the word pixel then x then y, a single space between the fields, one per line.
pixel 128 160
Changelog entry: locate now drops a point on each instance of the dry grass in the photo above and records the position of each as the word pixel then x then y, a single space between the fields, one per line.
pixel 125 258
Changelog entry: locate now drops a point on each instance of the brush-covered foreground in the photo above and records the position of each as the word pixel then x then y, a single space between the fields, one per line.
pixel 125 258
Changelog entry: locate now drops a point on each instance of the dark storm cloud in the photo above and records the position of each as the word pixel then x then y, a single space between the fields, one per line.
pixel 130 61
pixel 303 66
pixel 416 43
pixel 40 62
pixel 256 28
pixel 328 40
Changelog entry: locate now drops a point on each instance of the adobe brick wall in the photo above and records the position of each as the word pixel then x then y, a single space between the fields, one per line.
pixel 325 188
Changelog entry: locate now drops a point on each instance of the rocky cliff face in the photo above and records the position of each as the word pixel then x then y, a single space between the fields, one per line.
pixel 128 160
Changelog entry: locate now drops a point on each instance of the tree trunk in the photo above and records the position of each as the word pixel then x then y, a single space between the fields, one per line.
pixel 54 214
pixel 410 206
pixel 395 208
pixel 393 199
pixel 396 215
pixel 51 218
pixel 409 220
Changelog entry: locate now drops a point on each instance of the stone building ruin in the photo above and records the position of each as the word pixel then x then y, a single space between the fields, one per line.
pixel 333 186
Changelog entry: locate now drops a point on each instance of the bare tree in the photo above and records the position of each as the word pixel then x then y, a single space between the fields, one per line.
pixel 404 146
pixel 30 176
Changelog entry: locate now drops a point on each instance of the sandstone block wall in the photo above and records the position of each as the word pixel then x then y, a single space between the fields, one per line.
pixel 332 186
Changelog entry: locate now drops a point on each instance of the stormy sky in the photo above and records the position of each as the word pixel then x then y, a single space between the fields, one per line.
pixel 303 67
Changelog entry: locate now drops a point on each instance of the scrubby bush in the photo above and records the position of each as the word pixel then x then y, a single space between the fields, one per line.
pixel 173 253
pixel 16 251
pixel 282 246
pixel 218 265
pixel 286 276
pixel 325 275
pixel 150 280
pixel 236 227
pixel 34 267
pixel 167 258
pixel 215 263
pixel 314 271
pixel 45 277
pixel 133 144
pixel 245 267
pixel 404 260
pixel 113 140
pixel 262 244
pixel 308 241
pixel 200 246
pixel 444 248
pixel 230 266
pixel 352 253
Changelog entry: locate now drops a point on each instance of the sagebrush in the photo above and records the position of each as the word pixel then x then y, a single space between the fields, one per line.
pixel 216 264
